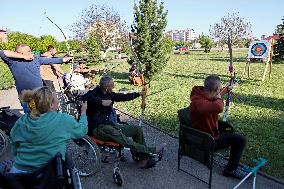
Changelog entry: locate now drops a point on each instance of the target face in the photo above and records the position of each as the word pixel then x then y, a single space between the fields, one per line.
pixel 258 49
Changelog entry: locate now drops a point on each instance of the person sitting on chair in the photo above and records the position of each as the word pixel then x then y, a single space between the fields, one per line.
pixel 39 135
pixel 102 120
pixel 206 104
pixel 134 71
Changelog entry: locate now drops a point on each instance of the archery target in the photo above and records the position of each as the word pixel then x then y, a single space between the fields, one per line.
pixel 259 49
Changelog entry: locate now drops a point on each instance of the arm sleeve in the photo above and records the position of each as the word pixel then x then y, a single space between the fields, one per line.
pixel 44 60
pixel 208 107
pixel 4 57
pixel 78 129
pixel 120 97
pixel 91 98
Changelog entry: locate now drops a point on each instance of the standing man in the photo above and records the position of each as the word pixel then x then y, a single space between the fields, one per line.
pixel 25 68
pixel 51 73
pixel 206 104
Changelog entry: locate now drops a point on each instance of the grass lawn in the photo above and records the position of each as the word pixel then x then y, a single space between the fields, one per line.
pixel 259 115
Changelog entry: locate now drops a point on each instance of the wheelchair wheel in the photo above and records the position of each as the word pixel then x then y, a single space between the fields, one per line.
pixel 4 142
pixel 85 155
pixel 117 177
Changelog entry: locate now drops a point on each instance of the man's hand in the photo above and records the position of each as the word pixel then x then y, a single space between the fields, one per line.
pixel 106 102
pixel 67 59
pixel 231 87
pixel 84 108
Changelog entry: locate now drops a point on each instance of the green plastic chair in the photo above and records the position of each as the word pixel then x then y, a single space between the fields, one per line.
pixel 198 145
pixel 195 144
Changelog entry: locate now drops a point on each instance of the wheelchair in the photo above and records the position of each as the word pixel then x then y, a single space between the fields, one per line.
pixel 109 148
pixel 90 164
pixel 7 121
pixel 56 174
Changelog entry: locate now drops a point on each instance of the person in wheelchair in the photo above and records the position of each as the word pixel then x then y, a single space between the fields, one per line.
pixel 39 135
pixel 206 104
pixel 102 121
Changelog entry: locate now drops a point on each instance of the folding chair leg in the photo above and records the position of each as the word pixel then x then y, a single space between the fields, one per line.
pixel 179 157
pixel 210 178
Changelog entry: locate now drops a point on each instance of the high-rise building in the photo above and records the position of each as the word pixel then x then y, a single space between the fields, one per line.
pixel 186 35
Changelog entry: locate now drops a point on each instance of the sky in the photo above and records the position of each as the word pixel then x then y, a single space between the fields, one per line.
pixel 28 16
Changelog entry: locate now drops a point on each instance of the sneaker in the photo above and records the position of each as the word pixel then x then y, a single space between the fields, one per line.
pixel 236 173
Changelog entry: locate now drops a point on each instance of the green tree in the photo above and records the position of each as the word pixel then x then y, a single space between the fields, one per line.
pixel 107 24
pixel 45 41
pixel 3 46
pixel 280 28
pixel 235 26
pixel 15 38
pixel 278 53
pixel 206 42
pixel 93 46
pixel 149 42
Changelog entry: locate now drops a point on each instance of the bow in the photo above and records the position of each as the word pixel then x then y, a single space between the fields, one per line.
pixel 231 81
pixel 69 51
pixel 144 84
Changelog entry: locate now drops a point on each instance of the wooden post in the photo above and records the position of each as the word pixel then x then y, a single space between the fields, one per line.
pixel 268 61
pixel 265 70
pixel 247 68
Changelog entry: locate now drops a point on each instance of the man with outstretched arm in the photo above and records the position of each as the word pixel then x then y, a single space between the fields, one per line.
pixel 102 121
pixel 25 67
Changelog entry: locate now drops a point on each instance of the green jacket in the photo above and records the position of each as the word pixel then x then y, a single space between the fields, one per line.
pixel 35 141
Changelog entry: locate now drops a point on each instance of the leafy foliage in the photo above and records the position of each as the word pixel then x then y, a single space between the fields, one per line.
pixel 278 53
pixel 182 43
pixel 15 38
pixel 279 46
pixel 206 42
pixel 75 45
pixel 104 23
pixel 93 47
pixel 235 26
pixel 280 28
pixel 44 41
pixel 149 42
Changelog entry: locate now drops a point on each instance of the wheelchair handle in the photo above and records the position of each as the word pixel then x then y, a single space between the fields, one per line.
pixel 59 167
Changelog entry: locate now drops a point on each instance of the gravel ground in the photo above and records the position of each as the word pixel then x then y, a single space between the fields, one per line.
pixel 164 175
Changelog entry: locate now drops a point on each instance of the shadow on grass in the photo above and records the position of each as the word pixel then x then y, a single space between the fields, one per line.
pixel 261 101
pixel 194 75
pixel 202 76
pixel 224 59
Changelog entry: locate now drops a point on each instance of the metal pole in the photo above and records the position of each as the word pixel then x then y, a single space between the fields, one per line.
pixel 254 181
pixel 242 180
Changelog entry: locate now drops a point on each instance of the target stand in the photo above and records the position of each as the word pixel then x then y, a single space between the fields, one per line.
pixel 260 50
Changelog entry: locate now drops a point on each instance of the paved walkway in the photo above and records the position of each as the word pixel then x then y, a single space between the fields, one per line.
pixel 164 175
